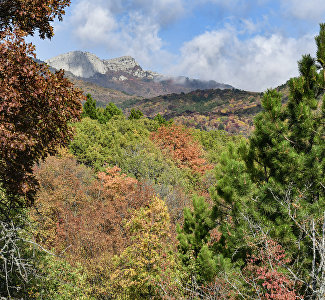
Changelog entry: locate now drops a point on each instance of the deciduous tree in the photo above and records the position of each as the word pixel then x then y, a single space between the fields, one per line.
pixel 31 15
pixel 150 258
pixel 177 141
pixel 36 107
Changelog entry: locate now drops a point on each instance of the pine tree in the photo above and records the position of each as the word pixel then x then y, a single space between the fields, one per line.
pixel 112 110
pixel 193 239
pixel 89 108
pixel 276 183
pixel 232 196
pixel 135 114
pixel 320 55
pixel 160 119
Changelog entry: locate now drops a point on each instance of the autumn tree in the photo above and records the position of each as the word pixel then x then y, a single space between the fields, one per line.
pixel 176 141
pixel 80 215
pixel 141 267
pixel 265 274
pixel 35 109
pixel 31 15
pixel 74 202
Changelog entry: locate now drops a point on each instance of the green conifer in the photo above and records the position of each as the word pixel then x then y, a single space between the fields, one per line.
pixel 89 108
pixel 193 238
pixel 283 160
pixel 135 114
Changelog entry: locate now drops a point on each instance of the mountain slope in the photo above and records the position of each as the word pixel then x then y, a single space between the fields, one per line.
pixel 126 75
pixel 229 109
pixel 102 95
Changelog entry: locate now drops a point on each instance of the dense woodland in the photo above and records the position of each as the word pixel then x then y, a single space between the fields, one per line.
pixel 97 204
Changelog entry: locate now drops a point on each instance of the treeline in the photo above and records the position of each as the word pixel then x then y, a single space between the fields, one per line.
pixel 98 205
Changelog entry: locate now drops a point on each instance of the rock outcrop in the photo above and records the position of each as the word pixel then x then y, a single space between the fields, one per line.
pixel 86 65
pixel 125 74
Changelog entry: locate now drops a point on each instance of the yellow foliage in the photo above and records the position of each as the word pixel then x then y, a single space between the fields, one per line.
pixel 141 267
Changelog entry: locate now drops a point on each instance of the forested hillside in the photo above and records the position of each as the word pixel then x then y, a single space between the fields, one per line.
pixel 229 109
pixel 97 203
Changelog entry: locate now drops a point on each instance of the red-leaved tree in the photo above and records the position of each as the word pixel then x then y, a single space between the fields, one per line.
pixel 176 141
pixel 36 107
pixel 265 272
pixel 81 216
pixel 31 15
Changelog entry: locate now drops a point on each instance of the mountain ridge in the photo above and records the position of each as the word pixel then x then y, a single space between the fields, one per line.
pixel 86 64
pixel 126 75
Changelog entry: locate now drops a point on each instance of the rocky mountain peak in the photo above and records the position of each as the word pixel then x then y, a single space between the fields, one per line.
pixel 86 65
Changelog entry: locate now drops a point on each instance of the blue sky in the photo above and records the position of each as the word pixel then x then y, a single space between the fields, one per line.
pixel 252 45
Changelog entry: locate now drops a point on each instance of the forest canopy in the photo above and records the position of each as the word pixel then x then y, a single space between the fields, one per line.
pixel 95 204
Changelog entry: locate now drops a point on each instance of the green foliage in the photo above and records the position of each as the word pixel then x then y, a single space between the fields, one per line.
pixel 283 161
pixel 215 142
pixel 60 280
pixel 89 108
pixel 232 197
pixel 161 120
pixel 112 110
pixel 125 143
pixel 103 115
pixel 193 238
pixel 107 113
pixel 135 114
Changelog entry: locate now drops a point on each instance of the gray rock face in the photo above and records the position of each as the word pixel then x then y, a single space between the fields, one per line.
pixel 86 65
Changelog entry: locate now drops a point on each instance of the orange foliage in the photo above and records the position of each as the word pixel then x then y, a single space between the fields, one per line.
pixel 81 215
pixel 176 141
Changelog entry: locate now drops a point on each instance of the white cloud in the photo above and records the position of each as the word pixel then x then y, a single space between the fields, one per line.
pixel 163 12
pixel 127 27
pixel 313 10
pixel 92 22
pixel 132 28
pixel 256 63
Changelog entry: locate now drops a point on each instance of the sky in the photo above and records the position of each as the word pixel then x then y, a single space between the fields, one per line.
pixel 250 44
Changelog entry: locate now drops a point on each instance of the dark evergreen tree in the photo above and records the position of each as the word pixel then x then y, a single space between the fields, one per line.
pixel 135 114
pixel 193 238
pixel 89 108
pixel 284 160
pixel 160 119
pixel 232 196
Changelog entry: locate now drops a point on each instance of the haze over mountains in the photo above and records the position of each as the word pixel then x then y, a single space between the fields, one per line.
pixel 126 75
